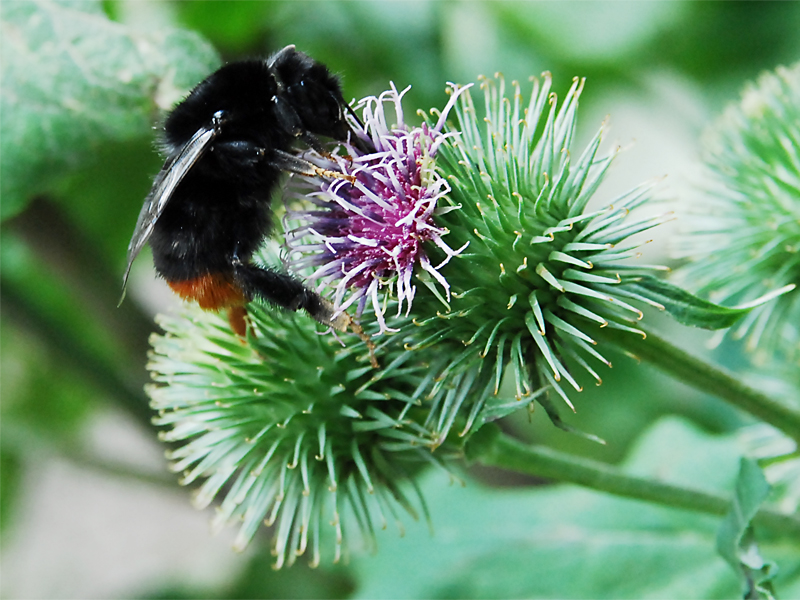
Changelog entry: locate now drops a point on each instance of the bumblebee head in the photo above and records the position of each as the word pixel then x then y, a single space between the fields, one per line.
pixel 315 95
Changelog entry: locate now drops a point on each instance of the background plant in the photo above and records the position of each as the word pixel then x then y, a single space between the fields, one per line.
pixel 79 178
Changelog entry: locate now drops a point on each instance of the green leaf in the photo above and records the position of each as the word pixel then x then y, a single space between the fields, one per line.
pixel 73 79
pixel 688 309
pixel 735 538
pixel 566 542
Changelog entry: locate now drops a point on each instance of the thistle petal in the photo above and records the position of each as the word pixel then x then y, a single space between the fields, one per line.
pixel 376 230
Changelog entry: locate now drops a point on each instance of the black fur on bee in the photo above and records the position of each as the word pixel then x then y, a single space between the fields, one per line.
pixel 227 145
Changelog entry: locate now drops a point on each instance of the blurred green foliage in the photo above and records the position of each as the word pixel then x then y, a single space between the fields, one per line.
pixel 85 82
pixel 566 542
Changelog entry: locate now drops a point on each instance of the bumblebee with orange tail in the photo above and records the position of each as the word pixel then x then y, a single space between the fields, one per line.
pixel 228 143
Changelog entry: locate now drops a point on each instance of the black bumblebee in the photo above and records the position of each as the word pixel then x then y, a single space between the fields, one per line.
pixel 227 144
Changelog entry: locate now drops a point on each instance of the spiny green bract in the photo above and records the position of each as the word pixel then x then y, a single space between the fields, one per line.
pixel 539 271
pixel 289 427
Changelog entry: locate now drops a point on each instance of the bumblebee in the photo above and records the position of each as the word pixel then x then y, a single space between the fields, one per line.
pixel 227 145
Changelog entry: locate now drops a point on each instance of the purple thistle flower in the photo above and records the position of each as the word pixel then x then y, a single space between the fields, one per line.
pixel 366 237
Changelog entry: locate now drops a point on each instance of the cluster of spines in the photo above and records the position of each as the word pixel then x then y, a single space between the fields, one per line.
pixel 286 430
pixel 538 272
pixel 744 237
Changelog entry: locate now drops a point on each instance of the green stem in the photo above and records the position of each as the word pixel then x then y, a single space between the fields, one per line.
pixel 490 447
pixel 116 469
pixel 22 439
pixel 705 377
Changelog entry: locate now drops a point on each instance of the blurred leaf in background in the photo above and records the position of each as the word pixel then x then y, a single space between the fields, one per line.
pixel 84 83
pixel 566 542
pixel 79 97
pixel 73 80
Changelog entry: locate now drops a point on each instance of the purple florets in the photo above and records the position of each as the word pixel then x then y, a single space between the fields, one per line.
pixel 365 238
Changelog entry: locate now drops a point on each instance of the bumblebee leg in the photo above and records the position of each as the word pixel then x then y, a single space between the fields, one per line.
pixel 287 292
pixel 288 162
pixel 313 142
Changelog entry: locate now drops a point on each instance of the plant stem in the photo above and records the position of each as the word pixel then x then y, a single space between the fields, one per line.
pixel 706 377
pixel 490 447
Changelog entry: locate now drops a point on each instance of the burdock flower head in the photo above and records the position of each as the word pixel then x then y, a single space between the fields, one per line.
pixel 744 236
pixel 291 429
pixel 366 239
pixel 541 272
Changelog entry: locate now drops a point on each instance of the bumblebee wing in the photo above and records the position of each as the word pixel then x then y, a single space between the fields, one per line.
pixel 164 187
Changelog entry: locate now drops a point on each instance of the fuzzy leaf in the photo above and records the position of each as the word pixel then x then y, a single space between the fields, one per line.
pixel 688 309
pixel 735 539
pixel 73 79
